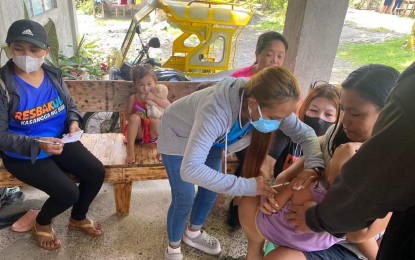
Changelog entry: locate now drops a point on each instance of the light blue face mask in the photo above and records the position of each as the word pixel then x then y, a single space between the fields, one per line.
pixel 264 125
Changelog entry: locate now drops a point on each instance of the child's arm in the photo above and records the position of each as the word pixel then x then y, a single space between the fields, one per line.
pixel 291 172
pixel 297 197
pixel 341 155
pixel 365 234
pixel 284 195
pixel 161 102
pixel 369 248
pixel 129 108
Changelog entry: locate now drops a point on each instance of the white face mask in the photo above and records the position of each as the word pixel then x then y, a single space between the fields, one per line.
pixel 27 63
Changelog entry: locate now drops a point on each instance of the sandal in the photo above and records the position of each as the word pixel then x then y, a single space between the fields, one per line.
pixel 86 228
pixel 50 235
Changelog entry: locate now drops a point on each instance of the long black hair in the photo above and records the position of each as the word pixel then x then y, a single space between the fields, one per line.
pixel 373 83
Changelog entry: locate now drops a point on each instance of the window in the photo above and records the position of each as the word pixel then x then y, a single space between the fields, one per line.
pixel 35 7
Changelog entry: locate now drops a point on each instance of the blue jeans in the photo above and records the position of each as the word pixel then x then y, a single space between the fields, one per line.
pixel 183 196
pixel 397 5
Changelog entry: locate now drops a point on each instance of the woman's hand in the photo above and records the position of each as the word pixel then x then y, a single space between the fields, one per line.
pixel 304 179
pixel 268 205
pixel 263 187
pixel 53 149
pixel 74 127
pixel 297 216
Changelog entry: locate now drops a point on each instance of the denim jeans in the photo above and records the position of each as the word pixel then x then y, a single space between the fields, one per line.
pixel 183 196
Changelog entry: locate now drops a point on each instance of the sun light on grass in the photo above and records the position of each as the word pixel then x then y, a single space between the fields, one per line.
pixel 391 52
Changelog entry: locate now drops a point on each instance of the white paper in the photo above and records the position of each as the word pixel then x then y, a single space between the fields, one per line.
pixel 72 138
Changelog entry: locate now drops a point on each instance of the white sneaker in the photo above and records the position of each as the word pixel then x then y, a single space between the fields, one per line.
pixel 172 256
pixel 204 242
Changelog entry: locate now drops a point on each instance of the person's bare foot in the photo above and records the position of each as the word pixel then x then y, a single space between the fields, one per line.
pixel 130 158
pixel 45 236
pixel 87 226
pixel 26 222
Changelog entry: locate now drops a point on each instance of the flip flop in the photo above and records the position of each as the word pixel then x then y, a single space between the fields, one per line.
pixel 84 228
pixel 25 223
pixel 45 234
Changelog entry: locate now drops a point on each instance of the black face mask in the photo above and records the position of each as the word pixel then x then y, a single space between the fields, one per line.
pixel 319 125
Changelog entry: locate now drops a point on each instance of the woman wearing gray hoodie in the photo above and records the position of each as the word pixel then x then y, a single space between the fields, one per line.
pixel 195 130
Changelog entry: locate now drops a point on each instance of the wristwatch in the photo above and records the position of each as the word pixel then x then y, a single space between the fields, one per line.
pixel 319 171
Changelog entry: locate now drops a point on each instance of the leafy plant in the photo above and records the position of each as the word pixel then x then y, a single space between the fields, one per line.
pixel 271 24
pixel 26 12
pixel 86 6
pixel 111 58
pixel 276 11
pixel 86 63
pixel 53 42
pixel 274 5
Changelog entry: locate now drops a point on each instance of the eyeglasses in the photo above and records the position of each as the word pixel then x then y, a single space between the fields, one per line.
pixel 324 84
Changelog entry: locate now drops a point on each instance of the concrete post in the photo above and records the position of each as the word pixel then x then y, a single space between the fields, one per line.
pixel 312 29
pixel 73 23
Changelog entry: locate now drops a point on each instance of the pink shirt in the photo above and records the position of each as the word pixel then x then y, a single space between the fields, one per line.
pixel 246 72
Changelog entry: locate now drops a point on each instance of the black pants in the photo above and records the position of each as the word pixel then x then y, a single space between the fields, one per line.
pixel 399 239
pixel 48 175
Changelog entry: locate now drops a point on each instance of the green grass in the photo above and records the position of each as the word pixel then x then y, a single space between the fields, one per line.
pixel 272 21
pixel 392 52
pixel 376 29
pixel 272 24
pixel 379 29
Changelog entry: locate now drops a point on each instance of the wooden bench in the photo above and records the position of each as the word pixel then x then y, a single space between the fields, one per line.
pixel 109 148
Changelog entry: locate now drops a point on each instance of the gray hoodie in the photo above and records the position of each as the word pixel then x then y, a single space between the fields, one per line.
pixel 191 125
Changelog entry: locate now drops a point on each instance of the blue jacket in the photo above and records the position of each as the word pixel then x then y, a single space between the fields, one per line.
pixel 9 103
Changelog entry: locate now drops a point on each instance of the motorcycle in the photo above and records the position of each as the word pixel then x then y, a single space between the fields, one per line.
pixel 108 122
pixel 163 74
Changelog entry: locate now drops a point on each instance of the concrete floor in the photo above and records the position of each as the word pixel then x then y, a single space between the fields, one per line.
pixel 141 235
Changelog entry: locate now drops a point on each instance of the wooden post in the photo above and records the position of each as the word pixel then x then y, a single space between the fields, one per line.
pixel 122 194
